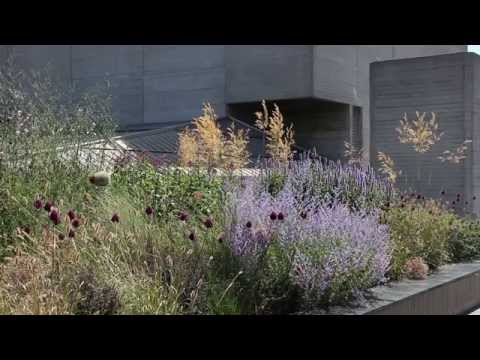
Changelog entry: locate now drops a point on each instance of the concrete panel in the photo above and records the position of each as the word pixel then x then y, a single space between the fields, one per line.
pixel 255 72
pixel 179 79
pixel 37 57
pixel 127 97
pixel 101 60
pixel 428 84
pixel 171 59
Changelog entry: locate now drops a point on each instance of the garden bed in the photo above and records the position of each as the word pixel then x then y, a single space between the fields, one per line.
pixel 453 290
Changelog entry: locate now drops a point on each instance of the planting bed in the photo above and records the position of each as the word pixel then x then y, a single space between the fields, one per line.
pixel 453 290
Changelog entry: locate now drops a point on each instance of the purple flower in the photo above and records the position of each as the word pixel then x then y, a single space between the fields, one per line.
pixel 48 205
pixel 183 216
pixel 55 216
pixel 192 236
pixel 38 204
pixel 149 211
pixel 273 216
pixel 208 223
pixel 280 216
pixel 76 223
pixel 61 236
pixel 71 214
pixel 248 224
pixel 71 234
pixel 115 218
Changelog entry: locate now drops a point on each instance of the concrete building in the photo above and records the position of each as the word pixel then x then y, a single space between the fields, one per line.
pixel 447 85
pixel 322 89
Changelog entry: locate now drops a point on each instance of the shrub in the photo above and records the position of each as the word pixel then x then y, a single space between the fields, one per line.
pixel 312 179
pixel 318 250
pixel 171 191
pixel 416 269
pixel 419 228
pixel 44 128
pixel 465 242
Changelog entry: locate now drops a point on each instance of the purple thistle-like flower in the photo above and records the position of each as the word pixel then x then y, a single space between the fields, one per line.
pixel 48 205
pixel 76 223
pixel 192 236
pixel 273 216
pixel 38 204
pixel 208 223
pixel 71 234
pixel 280 216
pixel 183 216
pixel 248 224
pixel 149 211
pixel 55 216
pixel 71 214
pixel 115 218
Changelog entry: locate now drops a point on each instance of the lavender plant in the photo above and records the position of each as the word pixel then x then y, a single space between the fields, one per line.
pixel 330 251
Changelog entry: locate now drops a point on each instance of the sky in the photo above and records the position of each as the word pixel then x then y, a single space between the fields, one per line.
pixel 474 48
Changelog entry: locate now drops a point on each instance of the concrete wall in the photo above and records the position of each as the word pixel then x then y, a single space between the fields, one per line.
pixel 154 84
pixel 445 85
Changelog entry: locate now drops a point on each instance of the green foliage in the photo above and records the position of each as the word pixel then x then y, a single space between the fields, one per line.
pixel 419 229
pixel 170 191
pixel 465 242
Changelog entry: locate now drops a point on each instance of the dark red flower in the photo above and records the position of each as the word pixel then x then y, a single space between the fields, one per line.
pixel 248 224
pixel 192 236
pixel 71 214
pixel 75 223
pixel 419 197
pixel 55 216
pixel 208 223
pixel 220 239
pixel 453 203
pixel 115 218
pixel 443 192
pixel 38 204
pixel 71 234
pixel 183 216
pixel 303 215
pixel 48 205
pixel 273 216
pixel 61 236
pixel 149 211
pixel 281 216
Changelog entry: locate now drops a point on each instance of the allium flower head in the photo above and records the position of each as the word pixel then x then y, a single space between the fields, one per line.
pixel 183 216
pixel 273 216
pixel 115 218
pixel 38 204
pixel 76 223
pixel 192 236
pixel 71 234
pixel 71 214
pixel 280 216
pixel 208 223
pixel 149 211
pixel 55 216
pixel 48 205
pixel 248 224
